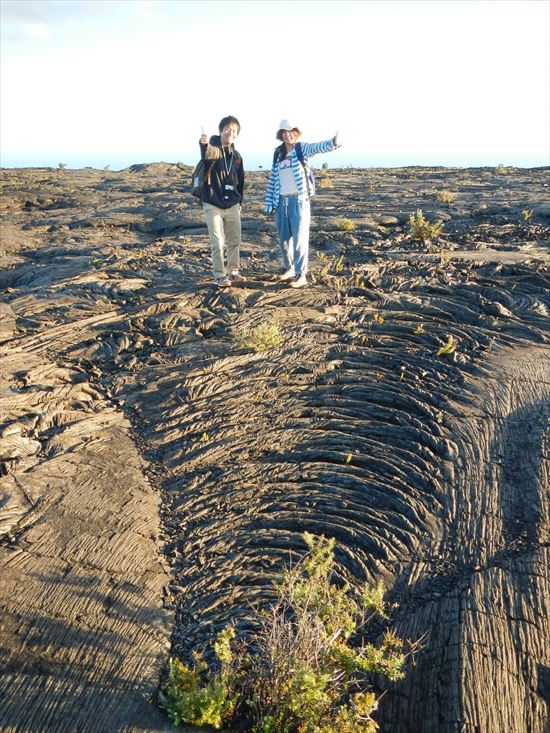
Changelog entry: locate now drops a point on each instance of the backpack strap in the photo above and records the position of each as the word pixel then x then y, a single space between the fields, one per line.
pixel 300 156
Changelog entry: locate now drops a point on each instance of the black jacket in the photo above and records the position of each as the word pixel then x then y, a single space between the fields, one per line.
pixel 225 168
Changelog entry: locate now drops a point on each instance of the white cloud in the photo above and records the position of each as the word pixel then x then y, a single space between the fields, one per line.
pixel 35 30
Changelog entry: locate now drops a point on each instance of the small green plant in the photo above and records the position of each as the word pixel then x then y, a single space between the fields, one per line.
pixel 339 264
pixel 346 225
pixel 324 167
pixel 326 262
pixel 445 197
pixel 263 337
pixel 527 214
pixel 449 347
pixel 106 168
pixel 421 228
pixel 168 325
pixel 62 166
pixel 501 169
pixel 334 276
pixel 299 672
pixel 188 700
pixel 336 265
pixel 325 182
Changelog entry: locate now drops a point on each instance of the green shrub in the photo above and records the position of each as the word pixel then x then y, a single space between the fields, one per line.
pixel 188 700
pixel 346 225
pixel 420 228
pixel 445 197
pixel 325 182
pixel 263 337
pixel 298 672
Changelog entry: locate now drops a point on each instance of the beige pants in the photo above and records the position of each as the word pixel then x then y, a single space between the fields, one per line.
pixel 224 228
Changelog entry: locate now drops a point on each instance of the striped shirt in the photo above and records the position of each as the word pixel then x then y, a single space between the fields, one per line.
pixel 274 186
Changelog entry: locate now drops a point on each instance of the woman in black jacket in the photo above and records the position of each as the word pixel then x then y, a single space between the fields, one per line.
pixel 222 195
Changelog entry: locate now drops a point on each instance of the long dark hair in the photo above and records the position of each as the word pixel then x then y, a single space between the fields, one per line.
pixel 281 152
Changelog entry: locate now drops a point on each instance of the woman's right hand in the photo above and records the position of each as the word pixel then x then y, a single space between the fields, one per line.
pixel 204 137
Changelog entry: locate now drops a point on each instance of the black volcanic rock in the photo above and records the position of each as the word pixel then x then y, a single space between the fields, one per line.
pixel 156 474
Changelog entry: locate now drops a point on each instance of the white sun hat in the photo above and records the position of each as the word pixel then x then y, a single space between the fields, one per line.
pixel 285 125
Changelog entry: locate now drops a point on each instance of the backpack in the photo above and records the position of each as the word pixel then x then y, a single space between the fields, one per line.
pixel 310 178
pixel 201 172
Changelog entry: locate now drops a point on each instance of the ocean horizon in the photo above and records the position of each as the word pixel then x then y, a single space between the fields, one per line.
pixel 262 160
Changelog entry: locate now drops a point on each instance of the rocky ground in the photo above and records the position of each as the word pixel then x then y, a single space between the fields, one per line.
pixel 156 474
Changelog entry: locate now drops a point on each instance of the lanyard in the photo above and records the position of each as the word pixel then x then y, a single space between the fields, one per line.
pixel 227 169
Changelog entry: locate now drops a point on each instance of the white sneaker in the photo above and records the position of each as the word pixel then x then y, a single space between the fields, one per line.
pixel 299 282
pixel 286 275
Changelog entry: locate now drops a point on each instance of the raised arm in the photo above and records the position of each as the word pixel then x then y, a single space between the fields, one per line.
pixel 326 146
pixel 203 143
pixel 208 152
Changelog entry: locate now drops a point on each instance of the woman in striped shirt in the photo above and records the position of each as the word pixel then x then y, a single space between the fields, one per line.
pixel 289 191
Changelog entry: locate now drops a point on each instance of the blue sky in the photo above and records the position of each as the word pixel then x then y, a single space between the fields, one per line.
pixel 434 82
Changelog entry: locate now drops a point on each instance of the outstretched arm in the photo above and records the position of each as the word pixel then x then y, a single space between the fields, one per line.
pixel 326 146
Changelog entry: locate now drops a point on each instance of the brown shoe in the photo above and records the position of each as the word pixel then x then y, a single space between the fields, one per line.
pixel 223 282
pixel 236 278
